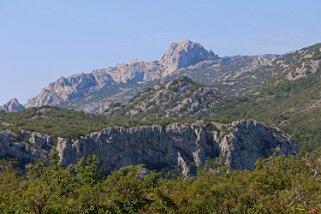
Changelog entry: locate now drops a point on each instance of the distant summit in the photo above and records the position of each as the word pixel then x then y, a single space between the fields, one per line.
pixel 12 106
pixel 184 54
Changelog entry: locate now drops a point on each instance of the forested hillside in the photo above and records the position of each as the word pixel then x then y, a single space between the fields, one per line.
pixel 279 185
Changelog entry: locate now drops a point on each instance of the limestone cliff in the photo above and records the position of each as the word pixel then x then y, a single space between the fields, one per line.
pixel 185 146
pixel 250 140
pixel 179 145
pixel 25 146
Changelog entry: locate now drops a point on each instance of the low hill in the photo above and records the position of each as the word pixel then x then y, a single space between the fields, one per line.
pixel 175 99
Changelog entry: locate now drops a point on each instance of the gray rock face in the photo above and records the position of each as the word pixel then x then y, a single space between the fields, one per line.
pixel 152 145
pixel 178 145
pixel 25 146
pixel 251 140
pixel 12 106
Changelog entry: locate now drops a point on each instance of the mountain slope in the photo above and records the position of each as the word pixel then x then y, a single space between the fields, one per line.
pixel 174 99
pixel 291 99
pixel 235 75
pixel 297 87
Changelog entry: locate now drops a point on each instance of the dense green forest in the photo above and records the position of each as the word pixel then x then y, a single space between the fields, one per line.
pixel 278 185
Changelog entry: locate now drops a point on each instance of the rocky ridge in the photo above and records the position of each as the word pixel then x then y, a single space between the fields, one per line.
pixel 94 91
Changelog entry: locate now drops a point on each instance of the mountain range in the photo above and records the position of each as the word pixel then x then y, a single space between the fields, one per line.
pixel 144 105
pixel 235 76
pixel 95 90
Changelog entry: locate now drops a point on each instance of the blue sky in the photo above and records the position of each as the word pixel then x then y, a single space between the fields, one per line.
pixel 43 40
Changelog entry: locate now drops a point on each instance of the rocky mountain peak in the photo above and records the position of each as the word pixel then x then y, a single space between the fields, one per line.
pixel 184 54
pixel 12 106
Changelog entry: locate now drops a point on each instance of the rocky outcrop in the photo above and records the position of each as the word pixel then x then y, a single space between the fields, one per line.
pixel 25 146
pixel 12 106
pixel 241 144
pixel 251 140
